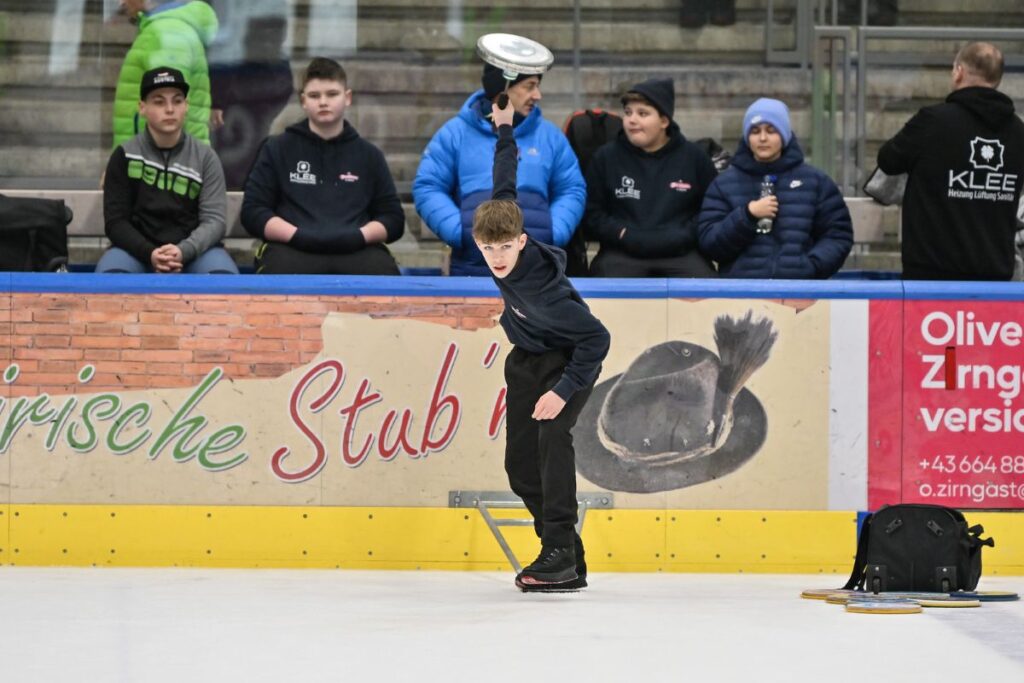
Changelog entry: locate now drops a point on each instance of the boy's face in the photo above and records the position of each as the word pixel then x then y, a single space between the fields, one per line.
pixel 765 142
pixel 501 257
pixel 524 95
pixel 164 110
pixel 325 102
pixel 645 126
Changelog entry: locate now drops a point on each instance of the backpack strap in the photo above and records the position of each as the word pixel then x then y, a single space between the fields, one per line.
pixel 861 561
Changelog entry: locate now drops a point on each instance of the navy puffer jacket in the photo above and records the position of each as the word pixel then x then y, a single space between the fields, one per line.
pixel 812 233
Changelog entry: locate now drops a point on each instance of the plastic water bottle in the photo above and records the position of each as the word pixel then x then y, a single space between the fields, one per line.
pixel 764 225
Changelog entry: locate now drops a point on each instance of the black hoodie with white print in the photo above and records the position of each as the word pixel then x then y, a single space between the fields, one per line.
pixel 965 158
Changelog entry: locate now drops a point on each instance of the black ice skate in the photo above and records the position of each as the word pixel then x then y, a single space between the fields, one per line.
pixel 579 583
pixel 555 565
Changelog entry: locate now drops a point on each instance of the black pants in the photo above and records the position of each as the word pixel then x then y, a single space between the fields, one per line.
pixel 276 258
pixel 615 263
pixel 539 456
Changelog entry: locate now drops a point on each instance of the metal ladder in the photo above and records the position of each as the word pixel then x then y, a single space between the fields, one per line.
pixel 485 501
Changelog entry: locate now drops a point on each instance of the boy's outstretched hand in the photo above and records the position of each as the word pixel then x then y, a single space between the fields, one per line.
pixel 548 406
pixel 503 117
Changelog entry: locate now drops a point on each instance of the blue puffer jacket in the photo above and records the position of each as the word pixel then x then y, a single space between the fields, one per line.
pixel 455 176
pixel 812 233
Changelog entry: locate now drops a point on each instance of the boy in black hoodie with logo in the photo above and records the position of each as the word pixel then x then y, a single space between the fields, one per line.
pixel 320 197
pixel 644 192
pixel 558 349
pixel 965 160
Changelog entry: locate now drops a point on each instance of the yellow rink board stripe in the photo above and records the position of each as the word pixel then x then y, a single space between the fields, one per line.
pixel 447 538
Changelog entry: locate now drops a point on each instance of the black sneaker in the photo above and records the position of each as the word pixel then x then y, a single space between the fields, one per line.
pixel 554 565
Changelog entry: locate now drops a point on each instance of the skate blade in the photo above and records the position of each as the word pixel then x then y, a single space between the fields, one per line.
pixel 571 586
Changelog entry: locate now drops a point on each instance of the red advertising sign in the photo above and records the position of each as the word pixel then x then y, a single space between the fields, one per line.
pixel 962 409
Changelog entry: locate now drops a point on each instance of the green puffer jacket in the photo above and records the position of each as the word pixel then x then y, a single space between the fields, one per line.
pixel 176 36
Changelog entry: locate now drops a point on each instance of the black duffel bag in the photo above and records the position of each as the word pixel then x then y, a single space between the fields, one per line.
pixel 917 548
pixel 33 234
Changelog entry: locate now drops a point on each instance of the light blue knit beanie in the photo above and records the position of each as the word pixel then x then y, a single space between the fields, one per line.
pixel 767 110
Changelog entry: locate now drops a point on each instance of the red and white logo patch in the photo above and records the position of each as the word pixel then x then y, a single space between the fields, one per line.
pixel 348 177
pixel 680 186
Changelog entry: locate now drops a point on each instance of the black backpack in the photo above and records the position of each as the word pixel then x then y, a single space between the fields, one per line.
pixel 917 548
pixel 33 234
pixel 587 131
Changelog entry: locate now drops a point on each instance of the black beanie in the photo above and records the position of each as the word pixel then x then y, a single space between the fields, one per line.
pixel 660 92
pixel 493 81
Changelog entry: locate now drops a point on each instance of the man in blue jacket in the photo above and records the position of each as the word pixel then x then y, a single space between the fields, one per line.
pixel 801 230
pixel 454 176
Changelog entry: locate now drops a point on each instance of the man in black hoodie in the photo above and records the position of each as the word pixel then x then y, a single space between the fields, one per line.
pixel 558 349
pixel 320 197
pixel 965 160
pixel 644 192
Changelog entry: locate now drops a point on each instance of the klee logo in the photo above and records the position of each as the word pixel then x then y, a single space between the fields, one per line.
pixel 628 189
pixel 987 154
pixel 301 174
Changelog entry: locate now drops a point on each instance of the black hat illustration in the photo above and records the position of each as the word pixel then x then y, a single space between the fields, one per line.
pixel 679 414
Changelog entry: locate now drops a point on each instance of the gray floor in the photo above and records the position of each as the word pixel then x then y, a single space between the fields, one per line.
pixel 303 625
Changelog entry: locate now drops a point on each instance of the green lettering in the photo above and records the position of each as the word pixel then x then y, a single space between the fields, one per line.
pixel 16 419
pixel 118 448
pixel 114 404
pixel 149 175
pixel 58 424
pixel 180 185
pixel 135 169
pixel 184 429
pixel 223 440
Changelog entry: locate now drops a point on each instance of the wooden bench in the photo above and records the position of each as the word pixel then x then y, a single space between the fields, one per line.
pixel 873 224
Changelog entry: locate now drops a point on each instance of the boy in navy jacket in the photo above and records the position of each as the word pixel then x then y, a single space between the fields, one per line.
pixel 319 196
pixel 558 349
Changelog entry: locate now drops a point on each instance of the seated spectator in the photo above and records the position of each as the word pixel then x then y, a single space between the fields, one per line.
pixel 164 200
pixel 454 176
pixel 320 197
pixel 803 230
pixel 644 192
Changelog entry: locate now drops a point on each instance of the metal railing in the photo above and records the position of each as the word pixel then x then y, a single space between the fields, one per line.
pixel 809 14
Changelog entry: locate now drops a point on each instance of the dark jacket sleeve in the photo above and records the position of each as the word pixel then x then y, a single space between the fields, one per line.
pixel 118 199
pixel 343 242
pixel 261 192
pixel 598 222
pixel 724 230
pixel 506 165
pixel 832 232
pixel 589 350
pixel 385 206
pixel 899 154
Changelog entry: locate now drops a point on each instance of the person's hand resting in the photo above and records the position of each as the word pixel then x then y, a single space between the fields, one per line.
pixel 166 259
pixel 548 406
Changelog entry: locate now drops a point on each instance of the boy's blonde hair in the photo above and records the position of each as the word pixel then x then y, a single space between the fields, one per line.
pixel 497 221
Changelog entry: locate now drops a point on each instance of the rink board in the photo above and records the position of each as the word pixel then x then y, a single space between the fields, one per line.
pixel 157 421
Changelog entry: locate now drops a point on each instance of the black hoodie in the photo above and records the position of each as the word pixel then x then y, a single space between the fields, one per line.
pixel 655 196
pixel 543 311
pixel 328 189
pixel 965 158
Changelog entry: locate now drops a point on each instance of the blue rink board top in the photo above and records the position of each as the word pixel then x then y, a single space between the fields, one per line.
pixel 596 288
